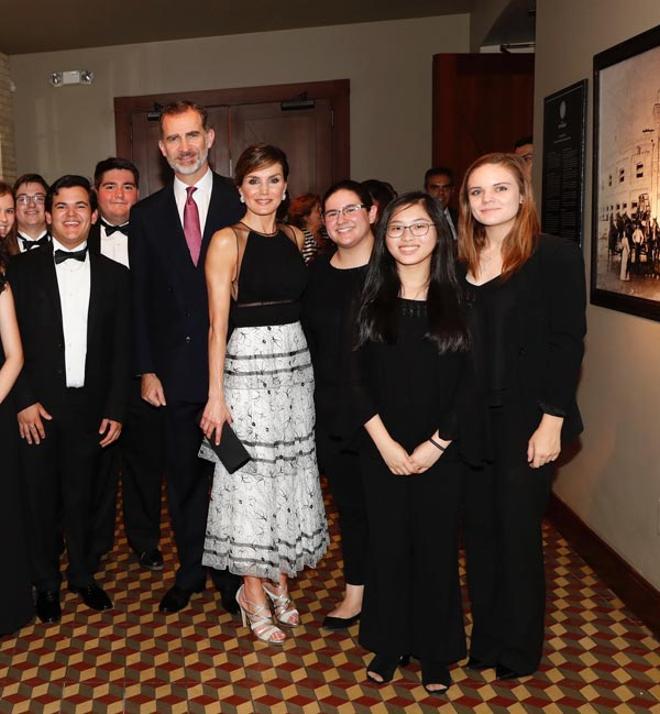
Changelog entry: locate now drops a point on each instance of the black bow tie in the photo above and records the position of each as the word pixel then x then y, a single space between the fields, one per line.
pixel 110 229
pixel 62 255
pixel 31 244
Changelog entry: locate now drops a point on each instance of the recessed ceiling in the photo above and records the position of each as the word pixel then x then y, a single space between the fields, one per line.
pixel 44 25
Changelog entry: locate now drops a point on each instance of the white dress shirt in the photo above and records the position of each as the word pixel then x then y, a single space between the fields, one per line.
pixel 202 197
pixel 74 285
pixel 115 246
pixel 21 245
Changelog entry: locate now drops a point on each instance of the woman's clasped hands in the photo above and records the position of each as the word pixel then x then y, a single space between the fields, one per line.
pixel 401 463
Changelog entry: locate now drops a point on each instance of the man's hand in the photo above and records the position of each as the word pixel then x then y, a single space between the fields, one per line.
pixel 30 426
pixel 152 390
pixel 111 429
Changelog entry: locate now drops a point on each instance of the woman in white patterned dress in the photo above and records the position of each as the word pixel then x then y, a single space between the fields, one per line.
pixel 266 520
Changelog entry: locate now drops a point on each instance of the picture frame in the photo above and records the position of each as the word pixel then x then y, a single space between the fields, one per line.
pixel 625 232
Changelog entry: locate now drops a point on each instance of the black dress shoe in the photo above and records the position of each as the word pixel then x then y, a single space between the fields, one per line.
pixel 330 622
pixel 478 664
pixel 151 559
pixel 504 672
pixel 48 606
pixel 228 597
pixel 94 596
pixel 176 598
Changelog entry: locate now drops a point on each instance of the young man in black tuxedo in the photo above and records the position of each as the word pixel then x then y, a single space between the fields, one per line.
pixel 138 455
pixel 73 313
pixel 168 236
pixel 30 195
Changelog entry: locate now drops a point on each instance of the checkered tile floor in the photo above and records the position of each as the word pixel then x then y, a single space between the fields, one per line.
pixel 598 657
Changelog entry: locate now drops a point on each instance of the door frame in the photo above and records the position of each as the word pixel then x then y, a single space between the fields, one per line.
pixel 337 91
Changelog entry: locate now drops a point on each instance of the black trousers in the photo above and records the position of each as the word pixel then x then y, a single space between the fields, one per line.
pixel 188 484
pixel 504 507
pixel 140 459
pixel 59 481
pixel 342 467
pixel 412 599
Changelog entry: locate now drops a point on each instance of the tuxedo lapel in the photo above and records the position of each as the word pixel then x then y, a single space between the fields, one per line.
pixel 213 216
pixel 95 293
pixel 48 282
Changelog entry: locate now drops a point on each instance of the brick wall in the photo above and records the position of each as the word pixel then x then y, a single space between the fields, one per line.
pixel 7 152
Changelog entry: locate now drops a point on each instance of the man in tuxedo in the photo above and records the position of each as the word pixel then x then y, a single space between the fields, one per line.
pixel 138 455
pixel 439 184
pixel 73 313
pixel 168 236
pixel 30 195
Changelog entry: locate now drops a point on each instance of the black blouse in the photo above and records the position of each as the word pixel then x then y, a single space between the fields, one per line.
pixel 413 389
pixel 328 314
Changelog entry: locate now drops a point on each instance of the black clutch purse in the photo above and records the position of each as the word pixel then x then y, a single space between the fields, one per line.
pixel 230 450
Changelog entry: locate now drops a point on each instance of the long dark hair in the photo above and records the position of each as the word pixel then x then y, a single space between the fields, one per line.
pixel 377 315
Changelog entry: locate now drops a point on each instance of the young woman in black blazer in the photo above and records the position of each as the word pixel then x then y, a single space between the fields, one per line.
pixel 527 298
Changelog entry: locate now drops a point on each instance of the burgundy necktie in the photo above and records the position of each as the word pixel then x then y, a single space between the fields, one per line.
pixel 191 225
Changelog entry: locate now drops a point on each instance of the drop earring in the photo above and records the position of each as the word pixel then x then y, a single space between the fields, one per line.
pixel 283 195
pixel 241 198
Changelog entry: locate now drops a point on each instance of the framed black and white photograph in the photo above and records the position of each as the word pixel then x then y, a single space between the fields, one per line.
pixel 625 245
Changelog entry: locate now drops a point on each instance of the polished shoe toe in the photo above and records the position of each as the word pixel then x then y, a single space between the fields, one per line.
pixel 48 606
pixel 94 596
pixel 151 559
pixel 504 672
pixel 330 622
pixel 175 599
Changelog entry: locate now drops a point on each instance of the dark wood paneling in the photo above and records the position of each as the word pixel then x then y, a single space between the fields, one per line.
pixel 481 103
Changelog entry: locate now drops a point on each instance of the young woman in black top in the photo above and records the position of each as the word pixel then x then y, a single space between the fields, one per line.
pixel 409 365
pixel 335 282
pixel 528 302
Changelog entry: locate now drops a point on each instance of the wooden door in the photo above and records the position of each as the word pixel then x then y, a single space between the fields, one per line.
pixel 155 172
pixel 315 134
pixel 305 135
pixel 481 103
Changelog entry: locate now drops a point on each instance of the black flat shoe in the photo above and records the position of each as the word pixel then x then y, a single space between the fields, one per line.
pixel 176 599
pixel 48 606
pixel 151 559
pixel 504 672
pixel 384 666
pixel 330 622
pixel 477 664
pixel 93 596
pixel 435 673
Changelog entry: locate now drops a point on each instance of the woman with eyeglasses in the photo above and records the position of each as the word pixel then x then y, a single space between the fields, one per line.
pixel 16 607
pixel 527 300
pixel 410 369
pixel 335 282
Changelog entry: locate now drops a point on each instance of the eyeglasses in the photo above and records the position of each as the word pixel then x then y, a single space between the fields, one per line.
pixel 418 229
pixel 24 199
pixel 351 210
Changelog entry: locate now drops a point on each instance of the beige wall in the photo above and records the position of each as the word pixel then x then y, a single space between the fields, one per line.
pixel 614 482
pixel 389 64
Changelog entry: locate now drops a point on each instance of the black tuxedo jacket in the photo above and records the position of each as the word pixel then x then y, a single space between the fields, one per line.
pixel 43 378
pixel 170 302
pixel 94 238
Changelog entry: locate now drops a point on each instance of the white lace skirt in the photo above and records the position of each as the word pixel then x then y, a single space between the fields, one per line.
pixel 268 517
